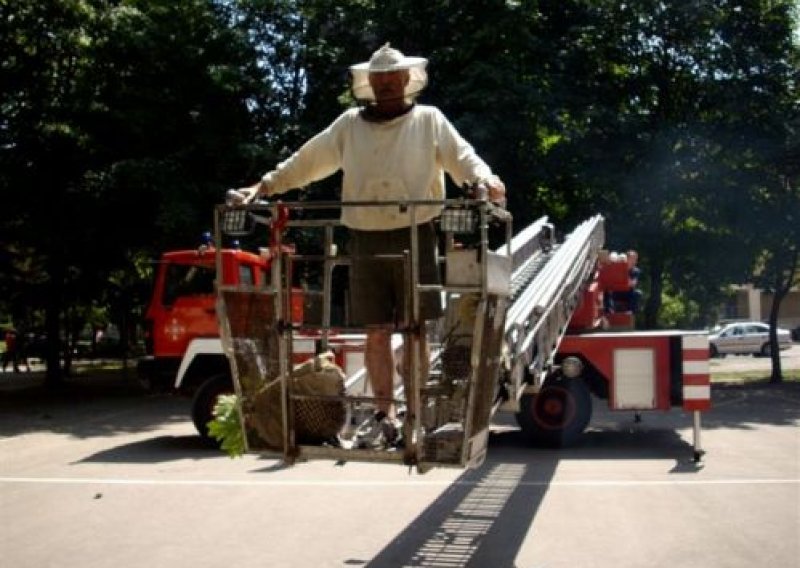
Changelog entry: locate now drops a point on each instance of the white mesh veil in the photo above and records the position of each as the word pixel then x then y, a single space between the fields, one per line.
pixel 384 60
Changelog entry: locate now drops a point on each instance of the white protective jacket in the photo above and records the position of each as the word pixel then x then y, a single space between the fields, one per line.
pixel 401 159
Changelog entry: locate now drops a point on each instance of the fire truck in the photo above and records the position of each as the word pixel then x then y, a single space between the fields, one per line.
pixel 535 326
pixel 182 341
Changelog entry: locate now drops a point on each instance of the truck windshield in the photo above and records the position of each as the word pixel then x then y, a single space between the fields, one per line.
pixel 187 280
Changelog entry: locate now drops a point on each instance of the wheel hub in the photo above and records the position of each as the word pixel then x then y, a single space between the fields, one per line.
pixel 554 408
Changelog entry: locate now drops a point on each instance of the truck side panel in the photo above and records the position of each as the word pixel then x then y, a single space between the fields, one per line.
pixel 647 371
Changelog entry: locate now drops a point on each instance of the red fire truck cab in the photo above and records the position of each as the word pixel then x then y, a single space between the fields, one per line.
pixel 182 307
pixel 182 315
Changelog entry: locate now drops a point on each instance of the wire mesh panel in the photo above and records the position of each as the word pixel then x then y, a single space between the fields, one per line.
pixel 254 338
pixel 252 342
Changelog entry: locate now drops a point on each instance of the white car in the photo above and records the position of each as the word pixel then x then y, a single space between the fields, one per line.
pixel 741 338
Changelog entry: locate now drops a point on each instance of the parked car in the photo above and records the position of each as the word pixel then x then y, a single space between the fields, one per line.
pixel 742 338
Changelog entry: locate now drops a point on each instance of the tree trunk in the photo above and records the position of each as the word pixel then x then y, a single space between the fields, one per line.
pixel 785 275
pixel 53 305
pixel 53 375
pixel 652 305
pixel 124 334
pixel 776 377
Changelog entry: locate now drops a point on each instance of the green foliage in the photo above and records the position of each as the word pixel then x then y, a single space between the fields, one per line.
pixel 226 427
pixel 123 123
pixel 672 113
pixel 679 312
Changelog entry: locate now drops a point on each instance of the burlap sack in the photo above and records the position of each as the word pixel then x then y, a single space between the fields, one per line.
pixel 316 421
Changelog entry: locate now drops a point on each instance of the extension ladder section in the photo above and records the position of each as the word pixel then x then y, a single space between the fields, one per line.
pixel 548 280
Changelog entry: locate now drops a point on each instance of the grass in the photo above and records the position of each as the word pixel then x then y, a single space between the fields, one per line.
pixel 744 377
pixel 84 367
pixel 91 365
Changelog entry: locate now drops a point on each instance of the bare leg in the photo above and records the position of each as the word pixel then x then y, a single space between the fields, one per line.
pixel 379 361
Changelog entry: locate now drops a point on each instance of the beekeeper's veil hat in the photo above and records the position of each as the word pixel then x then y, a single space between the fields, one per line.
pixel 384 60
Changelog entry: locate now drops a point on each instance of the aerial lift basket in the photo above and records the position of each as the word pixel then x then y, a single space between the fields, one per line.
pixel 303 405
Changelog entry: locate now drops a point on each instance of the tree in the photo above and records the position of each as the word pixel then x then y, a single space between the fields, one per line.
pixel 777 235
pixel 130 118
pixel 121 119
pixel 45 146
pixel 661 108
pixel 761 69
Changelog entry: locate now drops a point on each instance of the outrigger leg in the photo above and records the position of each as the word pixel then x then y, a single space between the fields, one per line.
pixel 698 450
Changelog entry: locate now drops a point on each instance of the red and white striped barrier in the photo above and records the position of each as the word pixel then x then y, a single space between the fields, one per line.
pixel 696 373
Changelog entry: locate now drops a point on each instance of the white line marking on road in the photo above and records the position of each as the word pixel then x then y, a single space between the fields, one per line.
pixel 388 483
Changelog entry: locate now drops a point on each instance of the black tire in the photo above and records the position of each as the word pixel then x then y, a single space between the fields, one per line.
pixel 204 401
pixel 713 351
pixel 558 415
pixel 766 350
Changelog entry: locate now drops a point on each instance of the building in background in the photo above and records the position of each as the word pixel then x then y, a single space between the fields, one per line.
pixel 750 303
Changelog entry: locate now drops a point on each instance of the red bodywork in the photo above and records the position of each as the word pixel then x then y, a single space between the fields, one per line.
pixel 669 367
pixel 644 370
pixel 606 301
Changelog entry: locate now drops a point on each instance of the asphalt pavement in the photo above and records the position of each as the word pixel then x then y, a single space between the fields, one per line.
pixel 100 474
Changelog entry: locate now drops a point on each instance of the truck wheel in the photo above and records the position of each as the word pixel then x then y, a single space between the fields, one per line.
pixel 205 399
pixel 558 415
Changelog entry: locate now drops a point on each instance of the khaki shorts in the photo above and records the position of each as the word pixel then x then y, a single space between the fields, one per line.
pixel 378 286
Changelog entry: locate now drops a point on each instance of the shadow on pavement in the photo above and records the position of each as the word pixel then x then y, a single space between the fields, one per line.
pixel 483 518
pixel 156 450
pixel 480 520
pixel 96 403
pixel 738 406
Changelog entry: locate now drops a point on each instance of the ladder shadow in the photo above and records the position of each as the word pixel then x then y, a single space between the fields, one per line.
pixel 484 517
